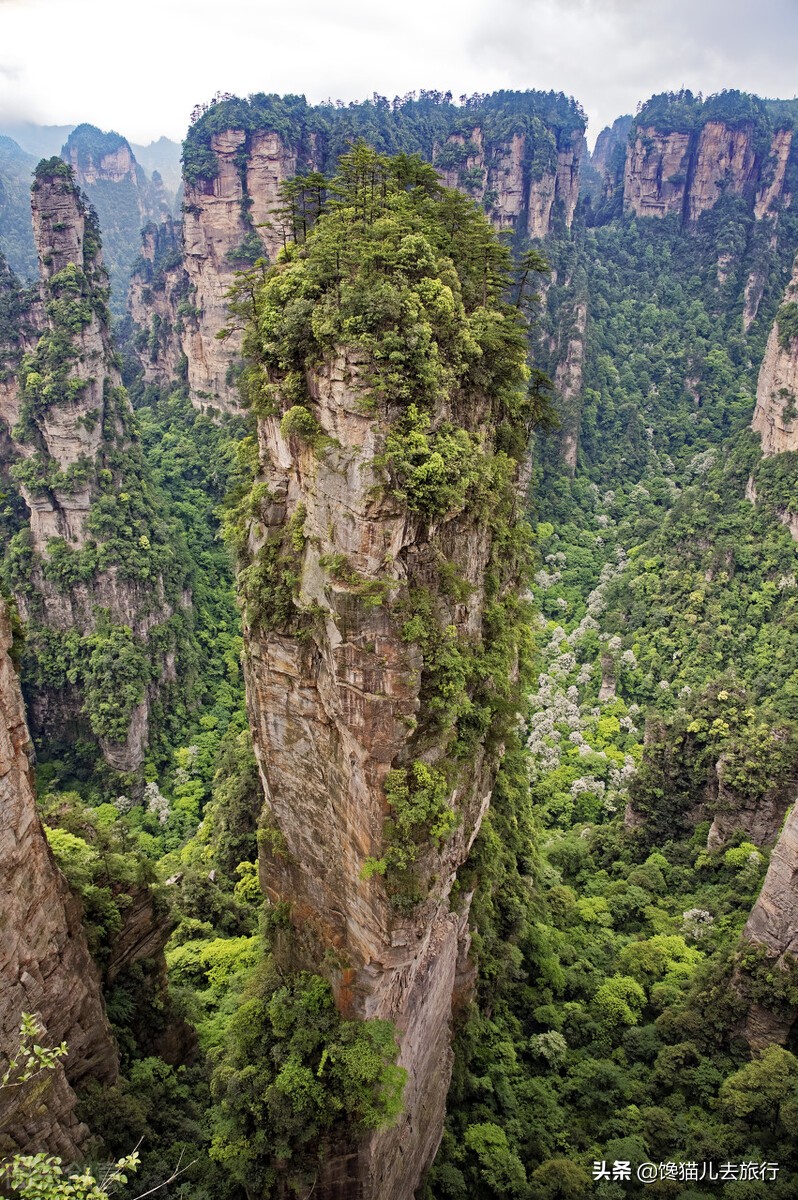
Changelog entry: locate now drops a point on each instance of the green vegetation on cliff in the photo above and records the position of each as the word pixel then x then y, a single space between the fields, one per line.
pixel 636 806
pixel 409 124
pixel 411 280
pixel 663 739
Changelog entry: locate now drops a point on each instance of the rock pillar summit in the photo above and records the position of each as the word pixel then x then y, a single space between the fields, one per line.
pixel 91 565
pixel 380 554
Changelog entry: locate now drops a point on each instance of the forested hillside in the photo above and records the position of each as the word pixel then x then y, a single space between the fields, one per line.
pixel 460 754
pixel 662 737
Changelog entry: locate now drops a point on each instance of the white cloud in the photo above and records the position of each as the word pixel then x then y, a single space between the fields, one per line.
pixel 141 69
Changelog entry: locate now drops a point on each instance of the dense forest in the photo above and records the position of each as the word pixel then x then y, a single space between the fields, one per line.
pixel 622 667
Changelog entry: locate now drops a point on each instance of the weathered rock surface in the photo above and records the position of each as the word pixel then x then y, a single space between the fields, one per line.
pixel 603 170
pixel 45 967
pixel 218 217
pixel 773 926
pixel 771 192
pixel 725 159
pixel 655 175
pixel 159 305
pixel 124 197
pixel 527 182
pixel 776 412
pixel 685 173
pixel 568 383
pixel 759 819
pixel 610 141
pixel 524 180
pixel 774 918
pixel 146 926
pixel 333 709
pixel 72 441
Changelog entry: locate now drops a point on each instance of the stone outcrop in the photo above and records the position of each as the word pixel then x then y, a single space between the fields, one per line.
pixel 760 819
pixel 521 180
pixel 610 145
pixel 568 383
pixel 603 171
pixel 68 427
pixel 45 968
pixel 526 182
pixel 145 930
pixel 725 159
pixel 773 922
pixel 125 199
pixel 655 175
pixel 332 712
pixel 771 190
pixel 159 304
pixel 773 927
pixel 345 712
pixel 219 216
pixel 685 173
pixel 776 412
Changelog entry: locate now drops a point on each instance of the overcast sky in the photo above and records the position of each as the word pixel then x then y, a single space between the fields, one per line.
pixel 140 68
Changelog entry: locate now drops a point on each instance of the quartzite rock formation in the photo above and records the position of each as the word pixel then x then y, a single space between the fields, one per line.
pixel 773 926
pixel 523 180
pixel 218 217
pixel 685 173
pixel 106 170
pixel 45 968
pixel 331 714
pixel 776 414
pixel 774 918
pixel 338 697
pixel 158 303
pixel 67 425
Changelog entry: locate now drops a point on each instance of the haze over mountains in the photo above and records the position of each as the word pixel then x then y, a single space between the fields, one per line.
pixel 129 186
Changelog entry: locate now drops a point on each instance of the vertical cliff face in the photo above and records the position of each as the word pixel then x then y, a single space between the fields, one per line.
pixel 373 580
pixel 609 152
pixel 772 928
pixel 524 174
pixel 771 192
pixel 89 565
pixel 684 173
pixel 568 382
pixel 159 304
pixel 105 168
pixel 774 918
pixel 518 180
pixel 775 415
pixel 655 174
pixel 45 968
pixel 225 222
pixel 725 159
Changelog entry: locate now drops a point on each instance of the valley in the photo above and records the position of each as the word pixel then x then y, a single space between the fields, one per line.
pixel 399 689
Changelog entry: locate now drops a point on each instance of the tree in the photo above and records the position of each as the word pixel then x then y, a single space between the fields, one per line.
pixel 559 1179
pixel 499 1165
pixel 620 1000
pixel 765 1090
pixel 42 1176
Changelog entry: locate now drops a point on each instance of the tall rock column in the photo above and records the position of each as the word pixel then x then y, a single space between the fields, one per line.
pixel 94 571
pixel 776 414
pixel 772 930
pixel 224 225
pixel 45 968
pixel 380 559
